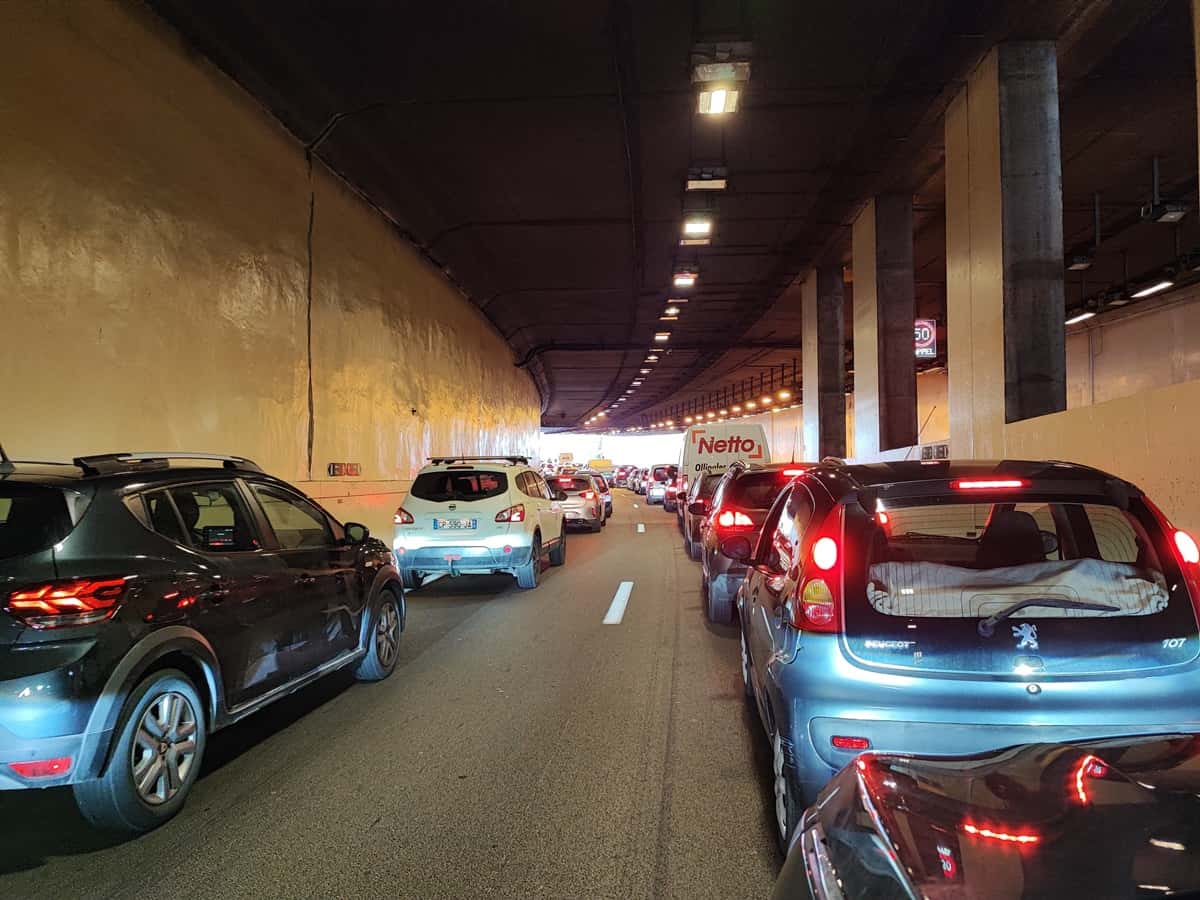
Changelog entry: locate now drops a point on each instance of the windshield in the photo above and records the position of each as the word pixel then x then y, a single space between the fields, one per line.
pixel 439 487
pixel 753 490
pixel 1075 586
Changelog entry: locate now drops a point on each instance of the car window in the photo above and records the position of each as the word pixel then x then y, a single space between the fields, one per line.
pixel 459 484
pixel 32 518
pixel 162 516
pixel 574 483
pixel 601 484
pixel 544 490
pixel 214 517
pixel 754 490
pixel 296 522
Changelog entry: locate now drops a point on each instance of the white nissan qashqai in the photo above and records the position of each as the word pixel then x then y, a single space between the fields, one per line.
pixel 471 515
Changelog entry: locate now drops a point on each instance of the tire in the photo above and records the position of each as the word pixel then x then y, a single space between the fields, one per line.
pixel 687 546
pixel 788 804
pixel 668 507
pixel 113 801
pixel 595 527
pixel 718 604
pixel 527 575
pixel 558 555
pixel 410 579
pixel 383 638
pixel 696 550
pixel 747 682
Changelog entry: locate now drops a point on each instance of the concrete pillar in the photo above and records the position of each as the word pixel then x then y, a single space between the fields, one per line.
pixel 1006 344
pixel 885 377
pixel 823 325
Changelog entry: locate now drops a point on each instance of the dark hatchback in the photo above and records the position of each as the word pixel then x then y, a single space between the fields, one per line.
pixel 1101 819
pixel 145 605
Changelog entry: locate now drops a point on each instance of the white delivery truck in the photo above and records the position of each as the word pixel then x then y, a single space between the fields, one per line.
pixel 710 448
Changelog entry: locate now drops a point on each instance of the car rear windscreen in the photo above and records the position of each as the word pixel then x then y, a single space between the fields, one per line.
pixel 664 473
pixel 574 484
pixel 1032 586
pixel 33 518
pixel 459 484
pixel 754 490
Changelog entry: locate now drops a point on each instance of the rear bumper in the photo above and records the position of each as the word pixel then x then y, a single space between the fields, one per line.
pixel 18 750
pixel 459 560
pixel 822 694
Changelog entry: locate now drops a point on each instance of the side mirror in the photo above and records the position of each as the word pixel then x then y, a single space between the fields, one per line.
pixel 739 549
pixel 698 508
pixel 560 495
pixel 356 533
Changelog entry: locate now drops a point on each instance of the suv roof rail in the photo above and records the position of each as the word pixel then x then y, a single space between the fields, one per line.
pixel 110 463
pixel 497 457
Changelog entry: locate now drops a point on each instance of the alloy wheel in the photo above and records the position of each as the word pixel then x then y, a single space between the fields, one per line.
pixel 781 797
pixel 745 660
pixel 387 634
pixel 164 748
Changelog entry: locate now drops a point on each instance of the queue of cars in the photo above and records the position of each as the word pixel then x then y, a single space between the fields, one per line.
pixel 962 669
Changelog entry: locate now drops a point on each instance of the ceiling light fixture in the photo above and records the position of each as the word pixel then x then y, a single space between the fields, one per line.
pixel 766 400
pixel 697 226
pixel 718 100
pixel 652 358
pixel 662 336
pixel 785 395
pixel 677 300
pixel 710 415
pixel 684 278
pixel 1082 317
pixel 736 408
pixel 1080 262
pixel 668 318
pixel 671 311
pixel 644 371
pixel 707 179
pixel 723 412
pixel 687 420
pixel 1153 289
pixel 750 404
pixel 694 242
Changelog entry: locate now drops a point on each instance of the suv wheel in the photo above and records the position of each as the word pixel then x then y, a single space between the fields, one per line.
pixel 411 580
pixel 383 640
pixel 527 575
pixel 558 555
pixel 155 757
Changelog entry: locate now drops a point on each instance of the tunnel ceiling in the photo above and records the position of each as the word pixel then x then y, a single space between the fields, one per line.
pixel 537 151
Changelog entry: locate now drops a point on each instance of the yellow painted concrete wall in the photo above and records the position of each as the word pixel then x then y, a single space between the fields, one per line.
pixel 153 263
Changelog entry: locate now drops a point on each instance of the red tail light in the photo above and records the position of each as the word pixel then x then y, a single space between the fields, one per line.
pixel 818 601
pixel 1007 836
pixel 733 519
pixel 403 517
pixel 792 473
pixel 1186 545
pixel 58 604
pixel 842 742
pixel 1185 550
pixel 512 514
pixel 42 768
pixel 988 484
pixel 588 495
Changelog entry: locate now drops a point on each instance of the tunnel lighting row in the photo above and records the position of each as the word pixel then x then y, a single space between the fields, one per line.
pixel 718 83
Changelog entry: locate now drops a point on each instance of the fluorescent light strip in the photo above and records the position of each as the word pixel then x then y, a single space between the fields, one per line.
pixel 1153 289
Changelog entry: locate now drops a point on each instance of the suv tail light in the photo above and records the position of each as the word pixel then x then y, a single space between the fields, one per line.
pixel 512 514
pixel 403 517
pixel 59 604
pixel 588 495
pixel 818 606
pixel 1185 550
pixel 733 520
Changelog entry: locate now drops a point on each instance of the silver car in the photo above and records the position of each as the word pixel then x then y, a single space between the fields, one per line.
pixel 583 505
pixel 960 607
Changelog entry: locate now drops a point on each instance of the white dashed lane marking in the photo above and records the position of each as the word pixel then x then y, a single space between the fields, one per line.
pixel 616 610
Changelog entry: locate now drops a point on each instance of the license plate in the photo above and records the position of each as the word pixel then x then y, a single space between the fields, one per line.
pixel 572 515
pixel 454 524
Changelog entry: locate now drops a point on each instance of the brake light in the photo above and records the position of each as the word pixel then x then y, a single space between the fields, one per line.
pixel 403 517
pixel 734 518
pixel 588 495
pixel 842 742
pixel 1186 545
pixel 825 553
pixel 792 473
pixel 512 514
pixel 988 484
pixel 1092 767
pixel 566 482
pixel 1009 837
pixel 42 768
pixel 57 604
pixel 819 597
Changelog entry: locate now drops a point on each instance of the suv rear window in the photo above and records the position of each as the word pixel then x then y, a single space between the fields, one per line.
pixel 34 517
pixel 754 490
pixel 944 580
pixel 459 484
pixel 664 473
pixel 573 483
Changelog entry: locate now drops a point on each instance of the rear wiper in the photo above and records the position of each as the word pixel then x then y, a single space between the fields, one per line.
pixel 987 627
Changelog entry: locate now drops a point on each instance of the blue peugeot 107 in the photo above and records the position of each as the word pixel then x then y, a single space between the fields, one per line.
pixel 960 607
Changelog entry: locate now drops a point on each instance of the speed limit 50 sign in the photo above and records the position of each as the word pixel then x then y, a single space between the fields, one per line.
pixel 925 335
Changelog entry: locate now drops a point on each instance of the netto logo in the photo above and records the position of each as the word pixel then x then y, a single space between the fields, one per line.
pixel 734 444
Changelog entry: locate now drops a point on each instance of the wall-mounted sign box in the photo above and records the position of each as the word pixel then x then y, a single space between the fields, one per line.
pixel 925 336
pixel 337 470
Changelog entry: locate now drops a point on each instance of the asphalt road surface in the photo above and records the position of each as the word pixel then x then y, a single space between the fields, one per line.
pixel 521 749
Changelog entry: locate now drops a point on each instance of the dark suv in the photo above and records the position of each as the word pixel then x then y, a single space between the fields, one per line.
pixel 145 605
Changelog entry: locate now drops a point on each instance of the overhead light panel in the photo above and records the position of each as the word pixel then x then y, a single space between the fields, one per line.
pixel 750 404
pixel 1080 262
pixel 674 300
pixel 707 179
pixel 736 408
pixel 1082 317
pixel 716 101
pixel 652 358
pixel 695 242
pixel 697 227
pixel 1165 213
pixel 637 382
pixel 671 311
pixel 662 336
pixel 684 278
pixel 668 318
pixel 766 400
pixel 644 371
pixel 1153 289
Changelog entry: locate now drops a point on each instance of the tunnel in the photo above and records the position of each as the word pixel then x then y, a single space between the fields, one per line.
pixel 531 449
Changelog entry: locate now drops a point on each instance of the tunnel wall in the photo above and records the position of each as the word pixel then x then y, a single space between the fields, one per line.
pixel 154 260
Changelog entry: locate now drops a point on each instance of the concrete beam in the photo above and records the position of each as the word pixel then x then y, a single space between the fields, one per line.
pixel 824 337
pixel 885 380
